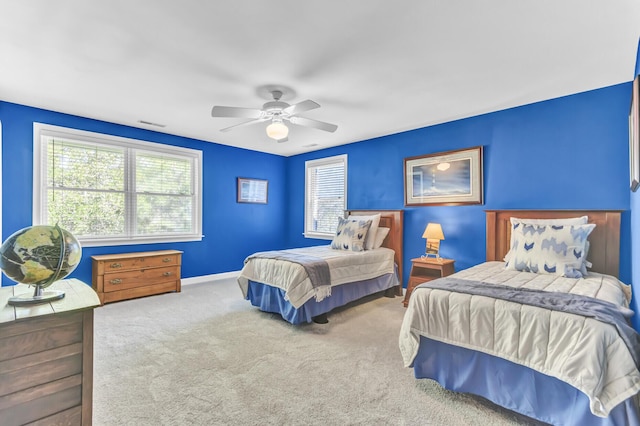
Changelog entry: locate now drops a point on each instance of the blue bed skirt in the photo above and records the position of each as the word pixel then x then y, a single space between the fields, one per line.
pixel 271 299
pixel 513 386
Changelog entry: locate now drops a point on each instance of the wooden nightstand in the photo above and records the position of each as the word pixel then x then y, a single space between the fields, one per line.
pixel 426 269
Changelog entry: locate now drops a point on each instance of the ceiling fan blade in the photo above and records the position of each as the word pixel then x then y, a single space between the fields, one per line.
pixel 244 123
pixel 227 111
pixel 303 106
pixel 301 121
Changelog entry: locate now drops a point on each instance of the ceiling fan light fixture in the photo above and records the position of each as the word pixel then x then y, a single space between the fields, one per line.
pixel 277 130
pixel 276 113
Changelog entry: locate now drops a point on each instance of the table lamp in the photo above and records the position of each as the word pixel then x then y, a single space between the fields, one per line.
pixel 433 233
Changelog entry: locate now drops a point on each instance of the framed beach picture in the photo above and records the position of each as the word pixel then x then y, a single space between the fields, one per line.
pixel 252 190
pixel 634 136
pixel 445 178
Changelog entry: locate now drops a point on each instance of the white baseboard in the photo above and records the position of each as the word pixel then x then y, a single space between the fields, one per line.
pixel 209 278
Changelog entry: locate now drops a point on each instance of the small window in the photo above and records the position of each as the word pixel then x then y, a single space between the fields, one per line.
pixel 108 190
pixel 325 196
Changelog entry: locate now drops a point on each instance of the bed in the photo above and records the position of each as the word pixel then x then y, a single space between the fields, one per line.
pixel 563 367
pixel 276 282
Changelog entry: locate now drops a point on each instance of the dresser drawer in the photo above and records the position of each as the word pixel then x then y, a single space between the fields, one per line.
pixel 125 264
pixel 115 281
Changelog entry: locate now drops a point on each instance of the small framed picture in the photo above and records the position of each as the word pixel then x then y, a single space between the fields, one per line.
pixel 252 190
pixel 444 178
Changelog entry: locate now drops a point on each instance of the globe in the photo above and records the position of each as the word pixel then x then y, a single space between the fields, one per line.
pixel 39 255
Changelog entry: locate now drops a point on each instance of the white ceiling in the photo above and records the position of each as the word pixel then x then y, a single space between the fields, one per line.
pixel 376 67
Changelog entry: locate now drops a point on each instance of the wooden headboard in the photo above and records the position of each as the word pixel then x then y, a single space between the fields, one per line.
pixel 394 220
pixel 604 251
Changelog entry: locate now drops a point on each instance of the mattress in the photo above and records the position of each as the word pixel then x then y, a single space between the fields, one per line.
pixel 583 352
pixel 345 267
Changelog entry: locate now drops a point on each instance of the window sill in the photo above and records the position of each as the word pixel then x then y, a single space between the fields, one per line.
pixel 319 236
pixel 134 241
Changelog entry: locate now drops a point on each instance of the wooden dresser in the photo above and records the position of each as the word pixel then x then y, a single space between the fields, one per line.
pixel 46 357
pixel 129 275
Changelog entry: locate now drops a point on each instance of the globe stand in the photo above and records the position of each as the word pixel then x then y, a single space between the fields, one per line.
pixel 39 296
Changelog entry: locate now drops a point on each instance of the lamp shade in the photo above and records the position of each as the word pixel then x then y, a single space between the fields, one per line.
pixel 277 130
pixel 433 231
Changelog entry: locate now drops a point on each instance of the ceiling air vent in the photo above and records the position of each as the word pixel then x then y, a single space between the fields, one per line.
pixel 149 123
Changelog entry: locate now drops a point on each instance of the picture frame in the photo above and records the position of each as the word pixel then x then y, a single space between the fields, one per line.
pixel 252 190
pixel 634 136
pixel 445 178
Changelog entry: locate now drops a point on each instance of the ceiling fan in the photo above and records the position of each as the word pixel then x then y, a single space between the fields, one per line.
pixel 276 112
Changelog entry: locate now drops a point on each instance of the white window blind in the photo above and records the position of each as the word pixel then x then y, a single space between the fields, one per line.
pixel 85 190
pixel 164 194
pixel 325 195
pixel 107 190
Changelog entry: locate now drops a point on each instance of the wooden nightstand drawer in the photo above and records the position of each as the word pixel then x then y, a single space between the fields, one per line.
pixel 416 281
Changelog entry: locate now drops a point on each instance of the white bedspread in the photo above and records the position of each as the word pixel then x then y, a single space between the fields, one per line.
pixel 583 352
pixel 345 266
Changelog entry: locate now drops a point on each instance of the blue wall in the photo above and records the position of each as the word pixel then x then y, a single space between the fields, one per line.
pixel 565 153
pixel 232 230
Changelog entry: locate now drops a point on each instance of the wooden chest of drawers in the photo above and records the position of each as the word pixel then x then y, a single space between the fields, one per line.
pixel 46 357
pixel 129 275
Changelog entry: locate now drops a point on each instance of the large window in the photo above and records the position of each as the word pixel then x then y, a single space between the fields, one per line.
pixel 108 190
pixel 325 196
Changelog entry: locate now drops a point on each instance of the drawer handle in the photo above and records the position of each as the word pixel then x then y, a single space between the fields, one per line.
pixel 167 274
pixel 116 265
pixel 116 281
pixel 166 260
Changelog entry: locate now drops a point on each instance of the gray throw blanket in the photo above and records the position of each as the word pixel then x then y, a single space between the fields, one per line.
pixel 317 269
pixel 600 310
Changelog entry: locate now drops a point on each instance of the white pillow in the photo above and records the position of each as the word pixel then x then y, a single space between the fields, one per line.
pixel 373 230
pixel 380 236
pixel 550 249
pixel 586 264
pixel 582 220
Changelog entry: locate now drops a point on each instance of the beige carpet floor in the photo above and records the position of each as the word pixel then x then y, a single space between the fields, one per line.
pixel 205 356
